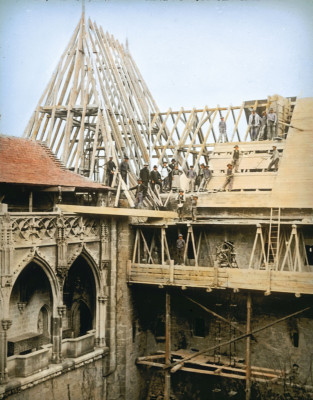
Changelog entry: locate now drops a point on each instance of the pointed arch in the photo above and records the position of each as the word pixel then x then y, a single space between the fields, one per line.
pixel 88 257
pixel 47 269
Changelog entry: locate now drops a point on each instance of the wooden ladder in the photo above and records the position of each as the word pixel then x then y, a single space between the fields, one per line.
pixel 273 237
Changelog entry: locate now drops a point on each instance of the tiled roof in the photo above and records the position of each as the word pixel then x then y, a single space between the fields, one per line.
pixel 24 161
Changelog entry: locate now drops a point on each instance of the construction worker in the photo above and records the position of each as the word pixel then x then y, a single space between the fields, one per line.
pixel 191 175
pixel 274 159
pixel 140 190
pixel 229 178
pixel 144 174
pixel 165 170
pixel 271 124
pixel 207 175
pixel 124 169
pixel 254 124
pixel 180 247
pixel 176 178
pixel 222 129
pixel 194 211
pixel 110 168
pixel 235 160
pixel 263 127
pixel 200 177
pixel 180 204
pixel 170 175
pixel 155 178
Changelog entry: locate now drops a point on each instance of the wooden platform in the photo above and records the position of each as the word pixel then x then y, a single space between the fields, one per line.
pixel 118 212
pixel 221 278
pixel 204 364
pixel 290 187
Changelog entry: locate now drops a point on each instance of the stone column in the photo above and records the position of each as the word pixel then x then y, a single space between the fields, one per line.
pixel 57 319
pixel 5 325
pixel 6 250
pixel 102 312
pixel 56 339
pixel 61 270
pixel 104 244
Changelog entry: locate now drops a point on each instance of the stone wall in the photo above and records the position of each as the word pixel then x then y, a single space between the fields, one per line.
pixel 68 383
pixel 277 347
pixel 126 381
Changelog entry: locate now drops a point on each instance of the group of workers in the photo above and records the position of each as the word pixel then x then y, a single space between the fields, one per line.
pixel 167 179
pixel 261 128
pixel 233 166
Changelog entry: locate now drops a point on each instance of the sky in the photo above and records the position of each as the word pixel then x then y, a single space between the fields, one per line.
pixel 190 53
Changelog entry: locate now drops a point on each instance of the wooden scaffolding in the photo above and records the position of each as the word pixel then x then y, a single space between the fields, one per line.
pixel 97 105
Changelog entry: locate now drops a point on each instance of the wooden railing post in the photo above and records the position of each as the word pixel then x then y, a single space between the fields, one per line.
pixel 248 349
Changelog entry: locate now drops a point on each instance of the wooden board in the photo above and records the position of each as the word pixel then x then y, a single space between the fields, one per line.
pixel 121 212
pixel 223 278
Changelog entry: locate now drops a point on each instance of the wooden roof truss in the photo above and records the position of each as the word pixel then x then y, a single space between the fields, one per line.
pixel 97 105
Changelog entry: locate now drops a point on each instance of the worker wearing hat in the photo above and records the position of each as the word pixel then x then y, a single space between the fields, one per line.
pixel 145 176
pixel 124 169
pixel 194 211
pixel 140 190
pixel 180 248
pixel 170 175
pixel 263 127
pixel 110 168
pixel 155 179
pixel 180 204
pixel 271 124
pixel 254 125
pixel 229 178
pixel 235 160
pixel 274 160
pixel 222 129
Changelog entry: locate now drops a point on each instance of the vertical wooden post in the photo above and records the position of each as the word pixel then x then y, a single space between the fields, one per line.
pixel 248 349
pixel 167 385
pixel 171 271
pixel 30 202
pixel 162 245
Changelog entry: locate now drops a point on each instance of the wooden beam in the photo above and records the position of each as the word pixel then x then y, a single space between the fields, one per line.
pixel 119 212
pixel 248 349
pixel 215 314
pixel 167 386
pixel 181 362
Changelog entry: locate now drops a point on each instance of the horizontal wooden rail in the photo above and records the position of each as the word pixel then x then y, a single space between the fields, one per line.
pixel 221 278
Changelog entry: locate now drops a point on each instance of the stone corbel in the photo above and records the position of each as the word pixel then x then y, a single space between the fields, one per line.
pixel 61 311
pixel 105 265
pixel 6 281
pixel 102 299
pixel 21 305
pixel 6 324
pixel 61 274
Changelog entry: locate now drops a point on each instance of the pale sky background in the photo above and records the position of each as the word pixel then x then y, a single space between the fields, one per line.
pixel 190 53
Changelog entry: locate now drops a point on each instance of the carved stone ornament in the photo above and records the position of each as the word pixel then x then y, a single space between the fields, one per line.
pixel 21 305
pixel 105 234
pixel 62 272
pixel 102 299
pixel 62 311
pixel 105 264
pixel 6 323
pixel 6 281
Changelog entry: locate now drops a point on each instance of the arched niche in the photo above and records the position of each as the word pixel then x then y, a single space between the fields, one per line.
pixel 81 318
pixel 31 299
pixel 44 321
pixel 79 297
